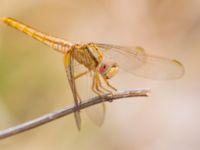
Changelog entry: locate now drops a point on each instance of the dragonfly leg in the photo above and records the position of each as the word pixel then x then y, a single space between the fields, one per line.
pixel 109 85
pixel 81 74
pixel 95 86
pixel 100 85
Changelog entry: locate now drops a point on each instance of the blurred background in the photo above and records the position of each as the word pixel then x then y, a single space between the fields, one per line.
pixel 33 80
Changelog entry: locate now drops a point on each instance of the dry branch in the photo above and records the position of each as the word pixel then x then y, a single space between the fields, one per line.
pixel 68 110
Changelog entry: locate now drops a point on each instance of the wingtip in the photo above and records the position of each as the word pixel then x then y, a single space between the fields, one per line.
pixel 78 127
pixel 181 66
pixel 177 62
pixel 78 120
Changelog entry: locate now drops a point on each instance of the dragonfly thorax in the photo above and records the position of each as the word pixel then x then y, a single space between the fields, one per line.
pixel 87 55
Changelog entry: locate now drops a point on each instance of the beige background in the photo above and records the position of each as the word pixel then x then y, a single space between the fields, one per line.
pixel 33 81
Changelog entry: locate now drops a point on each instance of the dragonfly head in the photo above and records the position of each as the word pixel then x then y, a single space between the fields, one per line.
pixel 108 69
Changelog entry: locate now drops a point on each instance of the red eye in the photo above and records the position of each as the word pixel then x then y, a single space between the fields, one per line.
pixel 103 68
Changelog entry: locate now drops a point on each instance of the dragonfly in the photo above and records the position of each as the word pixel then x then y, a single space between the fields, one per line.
pixel 99 63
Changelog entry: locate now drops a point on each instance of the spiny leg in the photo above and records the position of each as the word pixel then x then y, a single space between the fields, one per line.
pixel 81 74
pixel 109 85
pixel 97 86
pixel 100 85
pixel 94 87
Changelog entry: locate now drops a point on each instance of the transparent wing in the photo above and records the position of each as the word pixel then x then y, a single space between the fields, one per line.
pixel 70 76
pixel 96 113
pixel 134 60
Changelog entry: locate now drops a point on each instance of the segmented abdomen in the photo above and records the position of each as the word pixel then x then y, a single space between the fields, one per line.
pixel 56 43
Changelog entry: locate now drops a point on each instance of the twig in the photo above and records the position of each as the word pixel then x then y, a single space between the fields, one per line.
pixel 68 110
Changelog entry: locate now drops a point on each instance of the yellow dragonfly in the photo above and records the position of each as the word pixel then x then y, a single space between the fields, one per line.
pixel 100 62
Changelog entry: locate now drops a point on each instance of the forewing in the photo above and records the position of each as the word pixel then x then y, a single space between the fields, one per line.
pixel 136 61
pixel 127 58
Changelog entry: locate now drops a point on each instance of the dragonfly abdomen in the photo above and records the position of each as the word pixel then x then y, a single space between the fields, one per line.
pixel 53 42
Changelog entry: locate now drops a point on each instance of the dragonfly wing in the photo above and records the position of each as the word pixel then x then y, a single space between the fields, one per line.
pixel 70 75
pixel 134 60
pixel 96 113
pixel 160 68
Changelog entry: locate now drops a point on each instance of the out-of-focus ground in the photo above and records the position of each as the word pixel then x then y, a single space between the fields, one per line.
pixel 33 81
